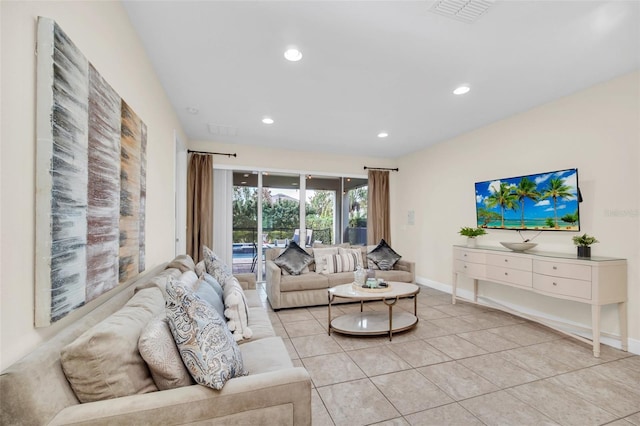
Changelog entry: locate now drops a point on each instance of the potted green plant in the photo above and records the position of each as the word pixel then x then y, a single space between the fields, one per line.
pixel 584 243
pixel 471 234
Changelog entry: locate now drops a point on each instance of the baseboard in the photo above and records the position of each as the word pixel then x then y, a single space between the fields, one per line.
pixel 582 330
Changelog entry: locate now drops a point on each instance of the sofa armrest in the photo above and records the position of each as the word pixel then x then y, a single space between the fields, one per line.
pixel 247 280
pixel 405 265
pixel 274 274
pixel 243 400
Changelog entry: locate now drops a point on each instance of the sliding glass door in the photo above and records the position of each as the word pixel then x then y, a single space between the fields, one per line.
pixel 271 209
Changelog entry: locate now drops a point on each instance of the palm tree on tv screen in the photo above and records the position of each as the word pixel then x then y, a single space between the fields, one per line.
pixel 556 189
pixel 526 189
pixel 505 198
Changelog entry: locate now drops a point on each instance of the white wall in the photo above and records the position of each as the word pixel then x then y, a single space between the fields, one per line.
pixel 102 31
pixel 596 130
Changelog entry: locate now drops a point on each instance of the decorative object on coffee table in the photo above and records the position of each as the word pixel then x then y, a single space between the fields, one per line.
pixel 584 243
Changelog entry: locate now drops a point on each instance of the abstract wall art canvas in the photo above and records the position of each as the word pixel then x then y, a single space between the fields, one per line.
pixel 90 181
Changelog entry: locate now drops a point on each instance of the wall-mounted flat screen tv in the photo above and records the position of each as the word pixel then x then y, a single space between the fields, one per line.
pixel 542 201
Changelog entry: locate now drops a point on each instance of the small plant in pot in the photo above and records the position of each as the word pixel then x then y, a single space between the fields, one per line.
pixel 471 234
pixel 584 243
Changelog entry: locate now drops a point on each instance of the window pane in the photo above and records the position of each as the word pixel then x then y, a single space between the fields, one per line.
pixel 355 199
pixel 245 216
pixel 321 209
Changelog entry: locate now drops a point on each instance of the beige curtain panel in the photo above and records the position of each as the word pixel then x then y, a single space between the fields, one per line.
pixel 199 205
pixel 378 216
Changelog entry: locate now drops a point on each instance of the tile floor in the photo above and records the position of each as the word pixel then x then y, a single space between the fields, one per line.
pixel 461 365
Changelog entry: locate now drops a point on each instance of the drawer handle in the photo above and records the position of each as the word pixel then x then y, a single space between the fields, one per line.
pixel 506 260
pixel 465 266
pixel 555 283
pixel 465 255
pixel 506 273
pixel 555 267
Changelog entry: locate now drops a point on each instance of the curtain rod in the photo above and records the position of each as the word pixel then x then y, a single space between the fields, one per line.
pixel 382 168
pixel 212 153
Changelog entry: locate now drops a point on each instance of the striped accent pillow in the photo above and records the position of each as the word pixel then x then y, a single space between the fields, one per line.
pixel 339 263
pixel 355 253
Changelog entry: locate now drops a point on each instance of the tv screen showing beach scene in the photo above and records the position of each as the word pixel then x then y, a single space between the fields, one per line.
pixel 542 201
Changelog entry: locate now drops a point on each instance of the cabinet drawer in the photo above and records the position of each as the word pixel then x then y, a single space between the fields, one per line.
pixel 562 286
pixel 471 269
pixel 470 256
pixel 512 262
pixel 508 275
pixel 564 270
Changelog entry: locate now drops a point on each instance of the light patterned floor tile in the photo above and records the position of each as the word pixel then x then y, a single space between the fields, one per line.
pixel 378 360
pixel 410 393
pixel 451 414
pixel 498 371
pixel 357 402
pixel 418 353
pixel 457 380
pixel 501 408
pixel 553 400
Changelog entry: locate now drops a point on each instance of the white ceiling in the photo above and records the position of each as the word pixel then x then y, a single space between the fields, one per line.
pixel 372 66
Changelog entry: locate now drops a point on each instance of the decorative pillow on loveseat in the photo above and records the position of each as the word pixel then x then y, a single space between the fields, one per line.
pixel 294 259
pixel 104 361
pixel 383 256
pixel 205 343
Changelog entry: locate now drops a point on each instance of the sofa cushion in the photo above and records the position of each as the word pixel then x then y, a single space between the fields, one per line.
pixel 395 275
pixel 319 255
pixel 340 278
pixel 104 362
pixel 236 310
pixel 310 281
pixel 260 327
pixel 200 268
pixel 294 259
pixel 207 293
pixel 206 345
pixel 265 355
pixel 183 262
pixel 356 253
pixel 383 256
pixel 159 350
pixel 336 263
pixel 217 287
pixel 215 266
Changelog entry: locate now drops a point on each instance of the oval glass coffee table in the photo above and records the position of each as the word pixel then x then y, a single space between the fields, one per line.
pixel 374 322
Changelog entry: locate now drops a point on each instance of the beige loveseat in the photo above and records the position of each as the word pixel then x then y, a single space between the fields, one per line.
pixel 35 391
pixel 310 288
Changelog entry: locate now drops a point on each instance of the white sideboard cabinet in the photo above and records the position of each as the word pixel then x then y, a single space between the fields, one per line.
pixel 596 281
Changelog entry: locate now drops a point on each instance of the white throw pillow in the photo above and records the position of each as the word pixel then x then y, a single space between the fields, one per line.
pixel 320 255
pixel 236 310
pixel 336 263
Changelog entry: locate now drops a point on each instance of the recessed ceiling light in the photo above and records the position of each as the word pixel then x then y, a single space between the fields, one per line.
pixel 293 55
pixel 267 120
pixel 192 110
pixel 383 134
pixel 461 90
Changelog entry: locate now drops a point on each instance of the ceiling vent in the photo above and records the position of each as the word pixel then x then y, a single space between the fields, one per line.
pixel 462 10
pixel 222 130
